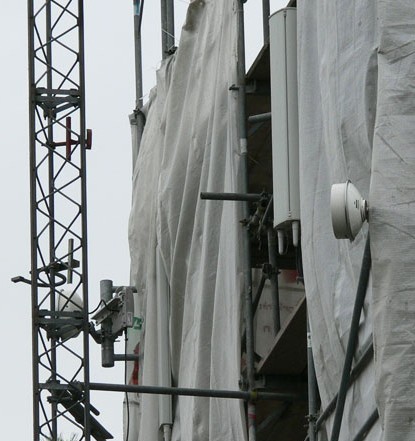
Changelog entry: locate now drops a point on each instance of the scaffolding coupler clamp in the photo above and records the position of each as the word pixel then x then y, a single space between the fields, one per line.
pixel 312 417
pixel 253 395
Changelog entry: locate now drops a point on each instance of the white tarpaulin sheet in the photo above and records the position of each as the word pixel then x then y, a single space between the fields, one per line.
pixel 190 145
pixel 357 121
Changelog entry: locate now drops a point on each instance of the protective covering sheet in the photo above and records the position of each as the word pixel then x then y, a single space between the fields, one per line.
pixel 190 145
pixel 357 106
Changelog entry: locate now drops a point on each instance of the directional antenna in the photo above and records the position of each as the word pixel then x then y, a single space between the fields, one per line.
pixel 348 210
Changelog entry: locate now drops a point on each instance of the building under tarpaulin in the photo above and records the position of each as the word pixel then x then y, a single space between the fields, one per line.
pixel 221 305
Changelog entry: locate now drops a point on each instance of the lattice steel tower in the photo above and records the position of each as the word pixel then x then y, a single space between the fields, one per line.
pixel 58 141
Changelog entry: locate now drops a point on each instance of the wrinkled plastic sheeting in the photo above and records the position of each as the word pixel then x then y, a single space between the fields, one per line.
pixel 190 145
pixel 392 220
pixel 357 106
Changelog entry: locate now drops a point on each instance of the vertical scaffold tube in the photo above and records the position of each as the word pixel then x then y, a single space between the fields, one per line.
pixel 163 346
pixel 251 408
pixel 265 19
pixel 137 119
pixel 138 15
pixel 51 202
pixel 170 24
pixel 167 26
pixel 84 217
pixel 164 43
pixel 33 220
pixel 107 345
pixel 312 388
pixel 272 257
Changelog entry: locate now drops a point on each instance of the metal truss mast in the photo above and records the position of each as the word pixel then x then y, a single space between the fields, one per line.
pixel 59 273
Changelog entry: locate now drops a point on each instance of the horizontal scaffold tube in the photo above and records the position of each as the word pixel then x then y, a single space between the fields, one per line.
pixel 247 197
pixel 260 118
pixel 194 392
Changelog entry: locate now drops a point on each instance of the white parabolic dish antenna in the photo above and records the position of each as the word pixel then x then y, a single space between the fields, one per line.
pixel 69 301
pixel 348 210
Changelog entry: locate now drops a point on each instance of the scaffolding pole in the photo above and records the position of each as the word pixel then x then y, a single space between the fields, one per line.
pixel 361 363
pixel 370 422
pixel 254 395
pixel 138 17
pixel 352 342
pixel 137 119
pixel 265 20
pixel 163 18
pixel 272 256
pixel 312 388
pixel 170 25
pixel 167 26
pixel 243 146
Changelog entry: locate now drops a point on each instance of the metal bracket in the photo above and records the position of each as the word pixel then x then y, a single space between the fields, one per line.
pixel 56 267
pixel 171 50
pixel 115 316
pixel 120 310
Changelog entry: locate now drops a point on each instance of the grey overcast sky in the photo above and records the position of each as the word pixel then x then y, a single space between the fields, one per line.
pixel 110 98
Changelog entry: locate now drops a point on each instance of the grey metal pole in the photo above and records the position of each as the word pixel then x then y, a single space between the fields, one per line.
pixel 196 392
pixel 138 55
pixel 164 48
pixel 84 217
pixel 243 145
pixel 265 19
pixel 247 197
pixel 272 257
pixel 126 357
pixel 352 343
pixel 107 345
pixel 170 24
pixel 33 221
pixel 255 301
pixel 258 294
pixel 137 118
pixel 261 117
pixel 370 422
pixel 360 364
pixel 312 388
pixel 51 202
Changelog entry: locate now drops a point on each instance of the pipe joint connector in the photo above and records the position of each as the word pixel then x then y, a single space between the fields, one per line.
pixel 253 395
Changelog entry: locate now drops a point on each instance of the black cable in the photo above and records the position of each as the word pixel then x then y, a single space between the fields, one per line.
pixel 102 302
pixel 96 309
pixel 44 284
pixel 125 381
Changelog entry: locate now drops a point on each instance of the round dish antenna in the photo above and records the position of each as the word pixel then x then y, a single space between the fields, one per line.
pixel 348 210
pixel 69 302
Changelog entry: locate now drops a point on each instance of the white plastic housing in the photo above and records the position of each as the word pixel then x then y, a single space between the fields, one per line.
pixel 69 301
pixel 284 108
pixel 348 210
